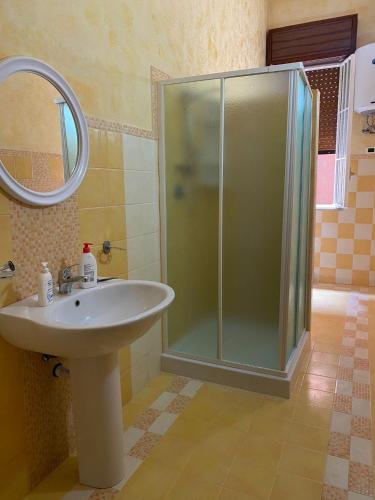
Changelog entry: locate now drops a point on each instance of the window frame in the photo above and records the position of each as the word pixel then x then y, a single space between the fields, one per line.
pixel 344 130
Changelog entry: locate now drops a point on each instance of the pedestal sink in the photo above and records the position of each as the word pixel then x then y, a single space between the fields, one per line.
pixel 88 327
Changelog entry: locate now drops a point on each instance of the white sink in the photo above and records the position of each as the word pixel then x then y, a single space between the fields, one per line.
pixel 89 322
pixel 88 327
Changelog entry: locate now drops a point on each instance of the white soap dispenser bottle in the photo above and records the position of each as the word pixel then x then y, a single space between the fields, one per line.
pixel 45 286
pixel 87 267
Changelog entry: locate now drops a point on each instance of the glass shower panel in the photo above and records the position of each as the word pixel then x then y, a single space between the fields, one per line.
pixel 255 135
pixel 299 215
pixel 192 140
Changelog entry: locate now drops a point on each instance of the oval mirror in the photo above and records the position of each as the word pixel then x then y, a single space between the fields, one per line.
pixel 43 133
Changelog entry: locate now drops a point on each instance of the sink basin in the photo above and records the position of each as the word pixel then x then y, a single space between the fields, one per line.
pixel 89 327
pixel 89 322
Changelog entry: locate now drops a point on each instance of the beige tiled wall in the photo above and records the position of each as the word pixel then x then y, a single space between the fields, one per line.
pixel 143 243
pixel 101 202
pixel 344 251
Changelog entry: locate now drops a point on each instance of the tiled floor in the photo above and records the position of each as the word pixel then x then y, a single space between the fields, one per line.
pixel 187 440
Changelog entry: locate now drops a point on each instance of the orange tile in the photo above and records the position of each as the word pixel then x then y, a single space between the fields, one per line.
pixel 114 150
pixel 362 247
pixel 328 245
pixel 360 278
pixel 351 200
pixel 318 229
pixel 9 162
pixel 330 216
pixel 363 215
pixel 344 261
pixel 366 183
pixel 327 275
pixel 24 169
pixel 346 230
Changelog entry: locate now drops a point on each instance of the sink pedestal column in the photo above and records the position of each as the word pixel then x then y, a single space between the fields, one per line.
pixel 97 412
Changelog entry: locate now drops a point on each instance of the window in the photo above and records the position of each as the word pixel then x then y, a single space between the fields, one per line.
pixel 326 48
pixel 335 84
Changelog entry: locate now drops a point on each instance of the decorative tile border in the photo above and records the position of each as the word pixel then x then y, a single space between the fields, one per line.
pixel 349 473
pixel 121 128
pixel 155 76
pixel 146 431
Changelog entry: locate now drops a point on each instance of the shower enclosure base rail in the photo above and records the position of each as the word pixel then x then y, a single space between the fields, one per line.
pixel 242 377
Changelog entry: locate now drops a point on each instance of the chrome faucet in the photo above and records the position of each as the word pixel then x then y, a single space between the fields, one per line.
pixel 7 270
pixel 66 280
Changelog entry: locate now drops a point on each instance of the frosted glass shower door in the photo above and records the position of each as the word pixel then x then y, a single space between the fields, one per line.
pixel 299 217
pixel 192 148
pixel 255 136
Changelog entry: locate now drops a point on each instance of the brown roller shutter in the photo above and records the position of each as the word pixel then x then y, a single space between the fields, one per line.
pixel 314 42
pixel 327 82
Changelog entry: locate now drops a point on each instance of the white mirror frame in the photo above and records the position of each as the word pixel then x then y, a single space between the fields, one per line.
pixel 20 64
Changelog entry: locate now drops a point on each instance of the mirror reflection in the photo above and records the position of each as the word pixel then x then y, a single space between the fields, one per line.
pixel 38 135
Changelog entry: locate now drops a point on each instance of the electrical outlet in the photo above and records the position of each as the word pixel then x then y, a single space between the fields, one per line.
pixel 371 150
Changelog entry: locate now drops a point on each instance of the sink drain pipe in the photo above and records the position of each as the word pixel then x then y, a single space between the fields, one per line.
pixel 60 371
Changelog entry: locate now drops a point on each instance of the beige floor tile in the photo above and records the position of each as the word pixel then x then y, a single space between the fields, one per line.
pixel 323 369
pixel 227 494
pixel 275 408
pixel 236 417
pixel 192 429
pixel 152 481
pixel 255 481
pixel 308 437
pixel 61 480
pixel 260 450
pixel 188 488
pixel 292 487
pixel 208 466
pixel 325 357
pixel 313 416
pixel 315 397
pixel 273 428
pixel 173 450
pixel 321 346
pixel 318 382
pixel 225 440
pixel 302 462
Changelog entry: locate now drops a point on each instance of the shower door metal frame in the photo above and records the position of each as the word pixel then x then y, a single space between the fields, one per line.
pixel 295 69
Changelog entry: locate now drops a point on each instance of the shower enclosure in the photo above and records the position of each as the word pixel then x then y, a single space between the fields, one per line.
pixel 235 197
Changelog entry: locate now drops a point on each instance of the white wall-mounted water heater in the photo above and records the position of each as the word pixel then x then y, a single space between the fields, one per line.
pixel 364 93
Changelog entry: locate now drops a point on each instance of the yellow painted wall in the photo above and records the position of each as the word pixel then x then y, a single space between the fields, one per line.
pixel 287 12
pixel 104 50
